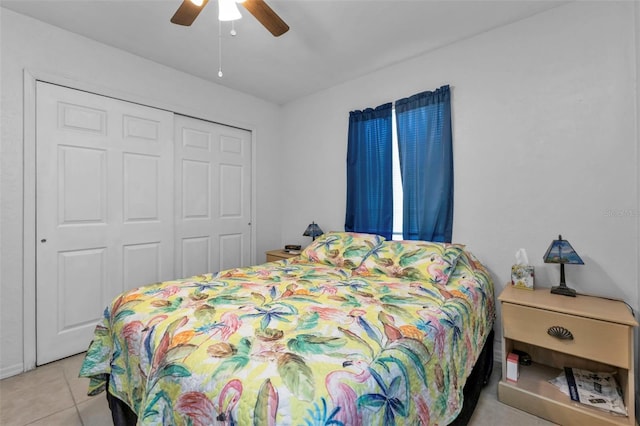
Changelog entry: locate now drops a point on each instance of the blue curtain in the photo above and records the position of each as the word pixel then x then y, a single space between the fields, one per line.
pixel 426 165
pixel 369 172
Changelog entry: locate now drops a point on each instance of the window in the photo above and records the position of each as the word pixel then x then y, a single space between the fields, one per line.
pixel 402 182
pixel 397 183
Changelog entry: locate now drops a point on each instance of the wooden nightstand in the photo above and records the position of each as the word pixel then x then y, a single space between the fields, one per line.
pixel 273 255
pixel 602 341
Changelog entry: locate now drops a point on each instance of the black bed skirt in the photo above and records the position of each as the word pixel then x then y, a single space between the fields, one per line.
pixel 479 377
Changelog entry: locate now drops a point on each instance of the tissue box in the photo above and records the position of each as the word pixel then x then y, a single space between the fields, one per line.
pixel 522 276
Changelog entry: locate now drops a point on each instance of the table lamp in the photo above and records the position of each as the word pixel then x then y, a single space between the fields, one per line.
pixel 313 230
pixel 560 251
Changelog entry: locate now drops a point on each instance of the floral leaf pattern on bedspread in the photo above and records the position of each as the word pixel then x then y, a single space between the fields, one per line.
pixel 294 343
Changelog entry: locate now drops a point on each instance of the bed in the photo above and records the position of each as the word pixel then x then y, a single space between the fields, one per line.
pixel 354 331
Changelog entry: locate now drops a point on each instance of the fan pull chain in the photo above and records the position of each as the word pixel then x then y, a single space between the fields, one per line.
pixel 220 49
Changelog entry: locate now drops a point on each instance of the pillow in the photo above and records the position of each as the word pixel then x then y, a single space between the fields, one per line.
pixel 342 249
pixel 416 260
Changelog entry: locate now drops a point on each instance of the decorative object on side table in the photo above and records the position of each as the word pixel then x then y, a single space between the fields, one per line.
pixel 313 231
pixel 560 251
pixel 293 249
pixel 522 272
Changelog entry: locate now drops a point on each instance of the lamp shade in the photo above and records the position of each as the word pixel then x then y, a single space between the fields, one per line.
pixel 228 10
pixel 560 251
pixel 313 230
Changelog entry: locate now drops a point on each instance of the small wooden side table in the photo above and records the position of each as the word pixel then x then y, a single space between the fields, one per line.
pixel 598 336
pixel 279 254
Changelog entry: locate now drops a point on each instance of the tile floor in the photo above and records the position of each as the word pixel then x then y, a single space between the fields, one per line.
pixel 53 395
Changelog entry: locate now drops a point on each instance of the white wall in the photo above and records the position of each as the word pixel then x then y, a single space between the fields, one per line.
pixel 545 143
pixel 45 50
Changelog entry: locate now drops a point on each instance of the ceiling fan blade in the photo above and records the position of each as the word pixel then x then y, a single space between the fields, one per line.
pixel 266 16
pixel 187 12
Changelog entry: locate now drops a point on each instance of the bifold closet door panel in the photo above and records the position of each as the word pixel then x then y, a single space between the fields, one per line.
pixel 213 196
pixel 105 209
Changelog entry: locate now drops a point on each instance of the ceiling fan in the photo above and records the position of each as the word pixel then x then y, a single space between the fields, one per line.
pixel 189 10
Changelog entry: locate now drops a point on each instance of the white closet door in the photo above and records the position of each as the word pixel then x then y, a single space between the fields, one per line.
pixel 213 196
pixel 104 210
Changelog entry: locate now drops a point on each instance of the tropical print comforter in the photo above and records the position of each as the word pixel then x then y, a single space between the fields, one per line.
pixel 355 331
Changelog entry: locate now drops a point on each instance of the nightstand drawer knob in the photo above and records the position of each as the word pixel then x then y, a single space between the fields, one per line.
pixel 560 332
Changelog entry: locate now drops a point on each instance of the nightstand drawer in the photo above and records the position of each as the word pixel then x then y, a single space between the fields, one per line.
pixel 592 339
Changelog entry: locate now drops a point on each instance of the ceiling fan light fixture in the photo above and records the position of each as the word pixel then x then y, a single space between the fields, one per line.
pixel 228 11
pixel 197 2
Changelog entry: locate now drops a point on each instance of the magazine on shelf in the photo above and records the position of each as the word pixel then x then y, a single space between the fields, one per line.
pixel 597 390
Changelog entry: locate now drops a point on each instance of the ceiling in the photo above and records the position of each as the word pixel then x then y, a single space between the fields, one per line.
pixel 330 41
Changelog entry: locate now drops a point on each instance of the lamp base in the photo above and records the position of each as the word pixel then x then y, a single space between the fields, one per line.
pixel 563 290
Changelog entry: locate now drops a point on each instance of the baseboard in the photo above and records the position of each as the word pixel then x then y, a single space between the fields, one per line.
pixel 11 370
